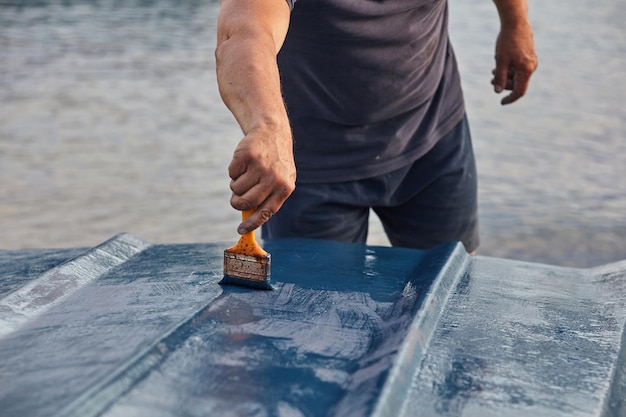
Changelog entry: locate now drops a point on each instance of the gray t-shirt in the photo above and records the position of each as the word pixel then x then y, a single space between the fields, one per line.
pixel 370 86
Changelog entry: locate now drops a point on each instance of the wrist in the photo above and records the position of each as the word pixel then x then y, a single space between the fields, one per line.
pixel 276 126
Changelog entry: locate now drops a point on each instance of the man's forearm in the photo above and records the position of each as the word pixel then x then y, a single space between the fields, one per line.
pixel 512 12
pixel 249 35
pixel 247 71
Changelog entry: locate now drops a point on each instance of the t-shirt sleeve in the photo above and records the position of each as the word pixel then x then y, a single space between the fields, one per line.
pixel 291 4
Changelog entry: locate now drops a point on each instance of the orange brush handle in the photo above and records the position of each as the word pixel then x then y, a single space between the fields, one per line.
pixel 247 245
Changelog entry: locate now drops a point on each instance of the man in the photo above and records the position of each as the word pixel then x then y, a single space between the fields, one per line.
pixel 370 92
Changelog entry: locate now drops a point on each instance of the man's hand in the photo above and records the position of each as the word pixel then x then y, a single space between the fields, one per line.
pixel 249 35
pixel 263 174
pixel 516 59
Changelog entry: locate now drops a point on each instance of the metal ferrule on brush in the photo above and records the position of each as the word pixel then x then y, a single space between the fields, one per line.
pixel 247 267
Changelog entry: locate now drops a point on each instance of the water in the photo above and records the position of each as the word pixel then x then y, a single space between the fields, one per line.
pixel 110 121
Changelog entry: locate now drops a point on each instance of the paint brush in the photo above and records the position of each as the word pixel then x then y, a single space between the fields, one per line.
pixel 246 263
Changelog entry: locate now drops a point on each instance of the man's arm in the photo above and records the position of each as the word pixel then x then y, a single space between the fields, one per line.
pixel 516 59
pixel 249 35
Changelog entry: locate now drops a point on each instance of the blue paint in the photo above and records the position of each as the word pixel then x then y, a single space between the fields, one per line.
pixel 21 266
pixel 350 330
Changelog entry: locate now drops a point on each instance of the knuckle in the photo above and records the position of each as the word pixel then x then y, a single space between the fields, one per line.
pixel 265 214
pixel 287 189
pixel 240 203
pixel 234 202
pixel 283 189
pixel 233 188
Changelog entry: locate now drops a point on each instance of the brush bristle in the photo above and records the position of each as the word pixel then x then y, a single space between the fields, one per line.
pixel 245 282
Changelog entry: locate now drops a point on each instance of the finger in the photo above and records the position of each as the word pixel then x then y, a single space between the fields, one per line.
pixel 268 207
pixel 509 84
pixel 500 75
pixel 262 214
pixel 243 183
pixel 241 161
pixel 237 167
pixel 253 197
pixel 268 188
pixel 519 88
pixel 256 220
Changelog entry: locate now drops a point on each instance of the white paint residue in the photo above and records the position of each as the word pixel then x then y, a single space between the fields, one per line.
pixel 60 282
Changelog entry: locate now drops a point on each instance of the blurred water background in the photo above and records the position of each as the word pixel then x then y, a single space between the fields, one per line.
pixel 110 121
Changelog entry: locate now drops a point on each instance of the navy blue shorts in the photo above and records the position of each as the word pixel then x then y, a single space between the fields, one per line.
pixel 430 202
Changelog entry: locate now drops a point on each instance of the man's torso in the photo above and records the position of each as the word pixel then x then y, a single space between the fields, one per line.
pixel 369 85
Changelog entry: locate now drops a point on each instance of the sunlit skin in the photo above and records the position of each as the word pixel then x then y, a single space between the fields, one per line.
pixel 516 59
